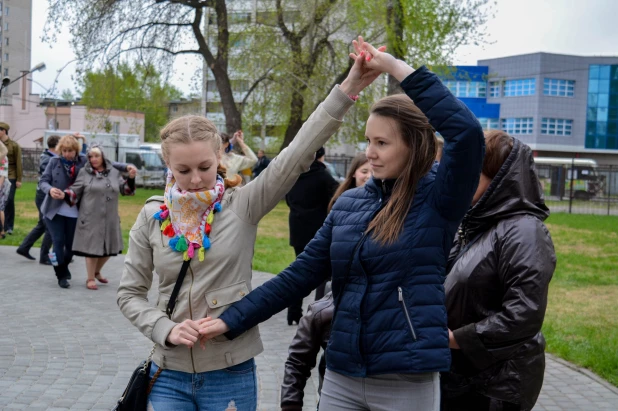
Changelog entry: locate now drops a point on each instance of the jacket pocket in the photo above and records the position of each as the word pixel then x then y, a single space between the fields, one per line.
pixel 405 311
pixel 162 301
pixel 219 300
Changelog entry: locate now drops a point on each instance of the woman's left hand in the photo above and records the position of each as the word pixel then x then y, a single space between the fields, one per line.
pixel 360 75
pixel 452 343
pixel 211 328
pixel 56 193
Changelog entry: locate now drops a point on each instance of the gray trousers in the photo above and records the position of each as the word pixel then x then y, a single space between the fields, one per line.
pixel 389 392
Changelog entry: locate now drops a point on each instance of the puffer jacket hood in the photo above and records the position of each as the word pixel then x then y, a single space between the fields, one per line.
pixel 515 190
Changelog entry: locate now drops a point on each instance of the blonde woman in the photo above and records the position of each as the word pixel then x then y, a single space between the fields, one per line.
pixel 210 221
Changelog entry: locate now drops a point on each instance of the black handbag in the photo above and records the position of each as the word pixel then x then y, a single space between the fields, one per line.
pixel 135 396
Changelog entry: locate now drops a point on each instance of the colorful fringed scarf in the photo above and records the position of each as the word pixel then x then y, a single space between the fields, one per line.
pixel 187 217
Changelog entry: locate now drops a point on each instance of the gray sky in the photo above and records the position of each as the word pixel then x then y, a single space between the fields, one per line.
pixel 519 27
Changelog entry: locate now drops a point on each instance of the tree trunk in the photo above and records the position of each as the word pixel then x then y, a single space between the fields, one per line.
pixel 233 121
pixel 394 15
pixel 296 118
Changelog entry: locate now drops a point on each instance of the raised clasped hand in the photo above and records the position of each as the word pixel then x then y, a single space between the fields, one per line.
pixel 361 74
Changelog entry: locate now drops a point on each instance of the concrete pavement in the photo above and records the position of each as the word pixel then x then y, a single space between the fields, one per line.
pixel 73 349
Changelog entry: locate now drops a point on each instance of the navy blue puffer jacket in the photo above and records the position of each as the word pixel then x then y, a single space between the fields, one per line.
pixel 391 316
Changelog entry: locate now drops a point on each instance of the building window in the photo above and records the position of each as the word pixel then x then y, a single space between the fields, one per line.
pixel 116 127
pixel 6 56
pixel 558 88
pixel 174 108
pixel 602 111
pixel 490 123
pixel 6 26
pixel 211 85
pixel 518 125
pixel 239 18
pixel 6 40
pixel 556 126
pixel 6 71
pixel 521 87
pixel 494 88
pixel 6 11
pixel 467 88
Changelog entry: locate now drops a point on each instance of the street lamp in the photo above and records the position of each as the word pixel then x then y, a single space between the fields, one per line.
pixel 7 81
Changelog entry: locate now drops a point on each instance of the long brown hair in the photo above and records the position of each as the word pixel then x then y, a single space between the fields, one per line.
pixel 190 128
pixel 350 181
pixel 419 137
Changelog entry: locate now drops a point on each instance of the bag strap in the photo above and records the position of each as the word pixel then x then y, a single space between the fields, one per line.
pixel 181 276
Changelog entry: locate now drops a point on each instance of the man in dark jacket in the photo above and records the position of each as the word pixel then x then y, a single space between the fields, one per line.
pixel 496 289
pixel 15 175
pixel 262 163
pixel 40 229
pixel 308 201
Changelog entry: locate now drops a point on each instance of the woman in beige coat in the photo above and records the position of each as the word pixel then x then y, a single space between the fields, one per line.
pixel 98 235
pixel 212 223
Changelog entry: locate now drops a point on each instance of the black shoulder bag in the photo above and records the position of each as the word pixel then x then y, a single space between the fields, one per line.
pixel 135 396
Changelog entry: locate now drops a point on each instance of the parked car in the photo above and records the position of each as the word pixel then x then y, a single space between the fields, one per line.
pixel 333 172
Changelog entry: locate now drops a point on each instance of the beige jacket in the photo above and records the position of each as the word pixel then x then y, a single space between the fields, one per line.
pixel 224 277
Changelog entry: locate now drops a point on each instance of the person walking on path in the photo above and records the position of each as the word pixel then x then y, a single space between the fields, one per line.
pixel 40 229
pixel 234 162
pixel 59 211
pixel 386 246
pixel 496 290
pixel 15 175
pixel 98 235
pixel 210 222
pixel 5 185
pixel 261 164
pixel 308 202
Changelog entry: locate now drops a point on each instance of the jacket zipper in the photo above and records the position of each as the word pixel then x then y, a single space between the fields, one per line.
pixel 405 310
pixel 191 314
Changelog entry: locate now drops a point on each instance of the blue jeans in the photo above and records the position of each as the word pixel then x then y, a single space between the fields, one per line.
pixel 206 391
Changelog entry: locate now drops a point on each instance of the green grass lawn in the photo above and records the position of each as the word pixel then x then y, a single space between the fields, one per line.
pixel 581 324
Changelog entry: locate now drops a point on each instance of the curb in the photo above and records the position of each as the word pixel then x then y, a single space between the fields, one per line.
pixel 585 372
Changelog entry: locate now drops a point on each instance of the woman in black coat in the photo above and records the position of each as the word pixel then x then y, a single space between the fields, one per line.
pixel 496 290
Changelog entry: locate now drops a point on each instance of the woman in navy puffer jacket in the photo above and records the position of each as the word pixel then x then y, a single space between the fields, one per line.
pixel 386 245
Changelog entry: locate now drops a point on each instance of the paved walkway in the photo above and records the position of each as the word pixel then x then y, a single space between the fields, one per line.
pixel 73 349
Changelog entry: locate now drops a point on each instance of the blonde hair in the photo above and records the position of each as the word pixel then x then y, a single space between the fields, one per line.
pixel 68 143
pixel 187 129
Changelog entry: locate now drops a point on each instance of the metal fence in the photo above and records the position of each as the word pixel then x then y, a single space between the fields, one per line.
pixel 577 189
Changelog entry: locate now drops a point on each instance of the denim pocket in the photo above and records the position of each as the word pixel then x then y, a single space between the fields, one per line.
pixel 242 368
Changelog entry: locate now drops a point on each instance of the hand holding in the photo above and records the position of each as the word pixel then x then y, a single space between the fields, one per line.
pixel 211 328
pixel 56 193
pixel 377 59
pixel 452 343
pixel 361 75
pixel 132 170
pixel 185 333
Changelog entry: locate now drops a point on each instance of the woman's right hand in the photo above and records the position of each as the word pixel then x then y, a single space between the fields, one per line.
pixel 56 193
pixel 185 333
